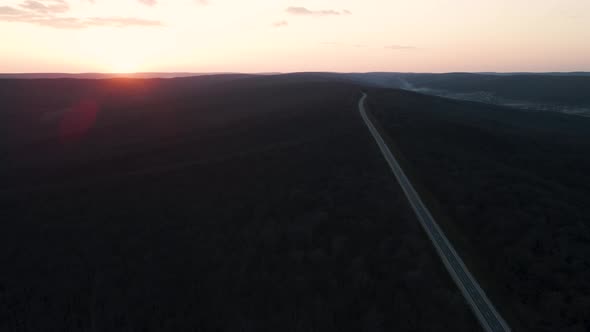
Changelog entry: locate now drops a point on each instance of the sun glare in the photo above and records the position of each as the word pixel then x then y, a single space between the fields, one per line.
pixel 124 67
pixel 121 63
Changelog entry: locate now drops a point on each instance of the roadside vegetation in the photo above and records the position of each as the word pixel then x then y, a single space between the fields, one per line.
pixel 511 189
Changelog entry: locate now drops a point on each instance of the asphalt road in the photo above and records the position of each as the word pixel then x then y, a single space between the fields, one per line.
pixel 488 317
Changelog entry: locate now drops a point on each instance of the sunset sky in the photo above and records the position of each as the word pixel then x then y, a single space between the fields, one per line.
pixel 294 35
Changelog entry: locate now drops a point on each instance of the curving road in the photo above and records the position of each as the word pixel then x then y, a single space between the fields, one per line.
pixel 488 317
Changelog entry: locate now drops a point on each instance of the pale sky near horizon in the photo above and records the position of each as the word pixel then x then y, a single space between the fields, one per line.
pixel 294 35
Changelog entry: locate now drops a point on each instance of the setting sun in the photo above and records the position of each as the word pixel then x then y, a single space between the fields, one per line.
pixel 122 67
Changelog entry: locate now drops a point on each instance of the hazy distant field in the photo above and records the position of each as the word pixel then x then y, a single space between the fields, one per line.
pixel 555 92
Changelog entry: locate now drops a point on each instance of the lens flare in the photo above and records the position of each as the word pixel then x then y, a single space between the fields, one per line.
pixel 78 120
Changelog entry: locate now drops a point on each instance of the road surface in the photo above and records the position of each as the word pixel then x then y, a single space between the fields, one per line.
pixel 488 317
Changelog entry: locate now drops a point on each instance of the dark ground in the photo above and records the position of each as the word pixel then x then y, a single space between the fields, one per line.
pixel 511 189
pixel 210 204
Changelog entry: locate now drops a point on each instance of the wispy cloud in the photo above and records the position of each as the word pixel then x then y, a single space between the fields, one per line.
pixel 400 47
pixel 48 13
pixel 148 2
pixel 389 47
pixel 58 22
pixel 121 22
pixel 46 7
pixel 76 23
pixel 155 2
pixel 279 24
pixel 344 45
pixel 302 11
pixel 9 11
